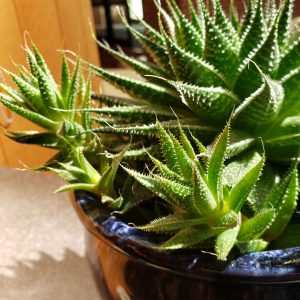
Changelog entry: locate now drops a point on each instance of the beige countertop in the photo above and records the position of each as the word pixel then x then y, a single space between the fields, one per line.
pixel 42 252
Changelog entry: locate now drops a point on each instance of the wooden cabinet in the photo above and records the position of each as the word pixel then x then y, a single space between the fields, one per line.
pixel 52 25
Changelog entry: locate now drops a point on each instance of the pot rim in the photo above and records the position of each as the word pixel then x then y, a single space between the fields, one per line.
pixel 286 275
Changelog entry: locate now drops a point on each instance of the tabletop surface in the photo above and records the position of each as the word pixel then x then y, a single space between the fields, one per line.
pixel 42 252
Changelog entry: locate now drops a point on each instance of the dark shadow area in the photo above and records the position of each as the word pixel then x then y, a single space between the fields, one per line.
pixel 109 27
pixel 48 278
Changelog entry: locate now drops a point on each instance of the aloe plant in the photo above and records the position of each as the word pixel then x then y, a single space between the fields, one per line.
pixel 205 209
pixel 39 99
pixel 239 188
pixel 58 111
pixel 207 66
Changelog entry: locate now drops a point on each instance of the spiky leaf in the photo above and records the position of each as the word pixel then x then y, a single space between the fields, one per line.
pixel 203 198
pixel 242 189
pixel 262 106
pixel 211 103
pixel 216 163
pixel 188 237
pixel 225 242
pixel 254 228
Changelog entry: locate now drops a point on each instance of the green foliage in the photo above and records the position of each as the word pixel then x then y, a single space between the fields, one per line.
pixel 64 112
pixel 211 65
pixel 203 206
pixel 38 99
pixel 207 68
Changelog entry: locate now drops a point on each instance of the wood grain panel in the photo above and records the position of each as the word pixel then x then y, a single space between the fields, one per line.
pixel 69 12
pixel 75 19
pixel 3 160
pixel 87 22
pixel 40 19
pixel 10 36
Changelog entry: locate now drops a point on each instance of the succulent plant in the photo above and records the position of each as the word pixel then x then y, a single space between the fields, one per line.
pixel 39 99
pixel 207 67
pixel 205 209
pixel 60 111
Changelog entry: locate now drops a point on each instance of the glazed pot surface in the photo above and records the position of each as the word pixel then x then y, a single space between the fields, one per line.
pixel 125 266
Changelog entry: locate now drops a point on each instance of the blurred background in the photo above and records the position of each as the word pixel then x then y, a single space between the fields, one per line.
pixel 65 24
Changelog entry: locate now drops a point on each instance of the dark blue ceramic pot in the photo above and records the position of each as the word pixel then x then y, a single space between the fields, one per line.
pixel 125 267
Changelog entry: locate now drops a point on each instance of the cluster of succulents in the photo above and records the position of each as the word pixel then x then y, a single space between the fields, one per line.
pixel 210 67
pixel 205 206
pixel 207 71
